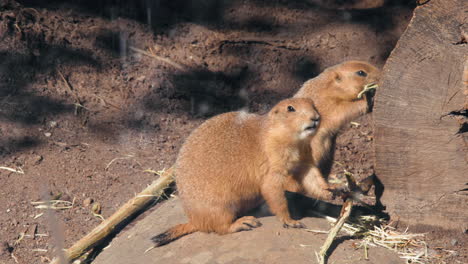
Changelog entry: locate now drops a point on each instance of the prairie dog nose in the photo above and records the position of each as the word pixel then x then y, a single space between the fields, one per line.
pixel 315 121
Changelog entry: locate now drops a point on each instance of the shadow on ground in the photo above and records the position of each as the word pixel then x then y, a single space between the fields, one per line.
pixel 161 15
pixel 199 91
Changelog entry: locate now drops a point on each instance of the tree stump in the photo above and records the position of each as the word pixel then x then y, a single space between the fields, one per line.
pixel 421 122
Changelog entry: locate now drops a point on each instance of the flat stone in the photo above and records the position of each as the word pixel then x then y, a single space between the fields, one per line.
pixel 270 243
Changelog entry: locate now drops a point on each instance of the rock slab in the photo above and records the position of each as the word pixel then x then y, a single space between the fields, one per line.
pixel 270 243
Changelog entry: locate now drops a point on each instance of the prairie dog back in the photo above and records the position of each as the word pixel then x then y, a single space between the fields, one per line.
pixel 212 170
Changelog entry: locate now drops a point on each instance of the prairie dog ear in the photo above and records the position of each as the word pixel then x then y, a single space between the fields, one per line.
pixel 336 76
pixel 273 112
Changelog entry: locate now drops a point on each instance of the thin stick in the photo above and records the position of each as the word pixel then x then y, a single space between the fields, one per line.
pixel 344 215
pixel 103 230
pixel 107 103
pixel 14 257
pixel 317 231
pixel 165 60
pixel 366 255
pixel 39 250
pixel 20 171
pixel 112 161
pixel 69 87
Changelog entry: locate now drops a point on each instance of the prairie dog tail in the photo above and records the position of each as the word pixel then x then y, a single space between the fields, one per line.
pixel 173 233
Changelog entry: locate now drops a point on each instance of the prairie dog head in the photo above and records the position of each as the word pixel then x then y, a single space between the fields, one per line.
pixel 340 82
pixel 349 79
pixel 294 117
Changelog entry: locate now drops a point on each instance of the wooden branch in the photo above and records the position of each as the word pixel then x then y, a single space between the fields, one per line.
pixel 344 215
pixel 102 231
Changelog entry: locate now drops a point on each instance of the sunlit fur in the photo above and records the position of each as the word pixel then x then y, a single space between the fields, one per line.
pixel 334 93
pixel 235 161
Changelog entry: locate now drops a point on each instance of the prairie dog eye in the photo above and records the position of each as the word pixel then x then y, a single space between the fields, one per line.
pixel 361 73
pixel 291 109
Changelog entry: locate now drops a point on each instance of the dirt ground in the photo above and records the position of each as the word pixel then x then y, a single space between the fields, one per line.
pixel 84 112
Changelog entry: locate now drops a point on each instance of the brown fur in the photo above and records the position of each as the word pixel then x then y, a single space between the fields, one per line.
pixel 234 161
pixel 334 93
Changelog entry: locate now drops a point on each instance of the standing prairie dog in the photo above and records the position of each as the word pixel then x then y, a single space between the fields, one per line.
pixel 234 161
pixel 335 93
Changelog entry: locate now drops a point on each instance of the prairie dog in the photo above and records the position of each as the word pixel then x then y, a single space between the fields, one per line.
pixel 335 92
pixel 234 161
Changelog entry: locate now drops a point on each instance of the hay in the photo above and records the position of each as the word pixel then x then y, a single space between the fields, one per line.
pixel 38 215
pixel 159 172
pixel 367 87
pixel 355 124
pixel 129 156
pixel 374 232
pixel 14 257
pixel 54 204
pixel 39 250
pixel 19 170
pixel 316 231
pixel 22 235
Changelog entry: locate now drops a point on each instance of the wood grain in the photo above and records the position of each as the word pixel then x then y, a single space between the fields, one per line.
pixel 421 156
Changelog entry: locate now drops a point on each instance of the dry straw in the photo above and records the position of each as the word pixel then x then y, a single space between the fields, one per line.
pixel 367 88
pixel 373 232
pixel 54 204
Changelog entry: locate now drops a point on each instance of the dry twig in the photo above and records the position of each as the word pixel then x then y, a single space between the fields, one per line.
pixel 115 159
pixel 54 204
pixel 165 60
pixel 68 85
pixel 107 102
pixel 344 215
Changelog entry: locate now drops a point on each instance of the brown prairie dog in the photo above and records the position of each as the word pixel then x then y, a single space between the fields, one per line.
pixel 234 161
pixel 334 93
